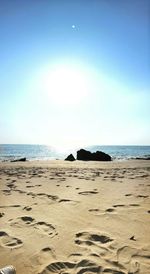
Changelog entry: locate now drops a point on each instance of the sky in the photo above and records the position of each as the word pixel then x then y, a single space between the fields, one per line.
pixel 75 72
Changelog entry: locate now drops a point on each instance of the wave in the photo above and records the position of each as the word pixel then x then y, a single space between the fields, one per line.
pixel 43 152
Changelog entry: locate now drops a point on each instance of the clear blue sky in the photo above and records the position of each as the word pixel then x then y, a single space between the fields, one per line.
pixel 75 72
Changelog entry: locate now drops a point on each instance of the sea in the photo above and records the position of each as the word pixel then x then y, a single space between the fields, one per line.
pixel 9 152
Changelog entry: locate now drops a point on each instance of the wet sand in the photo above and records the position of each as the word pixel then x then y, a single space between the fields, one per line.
pixel 80 217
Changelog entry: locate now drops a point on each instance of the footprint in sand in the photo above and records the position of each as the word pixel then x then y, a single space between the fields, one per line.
pixel 7 192
pixel 142 196
pixel 49 196
pixel 127 206
pixel 43 227
pixel 2 214
pixel 11 185
pixel 68 201
pixel 83 266
pixel 27 208
pixel 134 205
pixel 43 195
pixel 88 192
pixel 133 258
pixel 22 221
pixel 110 210
pixel 46 228
pixel 65 200
pixel 43 256
pixel 79 267
pixel 92 237
pixel 98 212
pixel 95 242
pixel 8 241
pixel 119 205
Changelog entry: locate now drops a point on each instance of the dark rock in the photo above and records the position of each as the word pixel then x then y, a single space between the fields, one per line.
pixel 100 156
pixel 142 158
pixel 70 158
pixel 19 160
pixel 85 155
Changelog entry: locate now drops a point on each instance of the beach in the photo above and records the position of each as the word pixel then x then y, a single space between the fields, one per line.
pixel 75 217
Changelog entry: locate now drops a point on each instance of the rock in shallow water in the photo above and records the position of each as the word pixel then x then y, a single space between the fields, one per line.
pixel 19 160
pixel 86 155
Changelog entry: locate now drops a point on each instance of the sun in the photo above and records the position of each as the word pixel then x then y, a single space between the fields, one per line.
pixel 65 85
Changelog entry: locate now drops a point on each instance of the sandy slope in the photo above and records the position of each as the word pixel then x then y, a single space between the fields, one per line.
pixel 61 217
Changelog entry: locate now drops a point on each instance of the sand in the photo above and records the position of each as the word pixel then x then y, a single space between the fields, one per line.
pixel 80 217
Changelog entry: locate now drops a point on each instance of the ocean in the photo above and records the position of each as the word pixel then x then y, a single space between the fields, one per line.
pixel 10 152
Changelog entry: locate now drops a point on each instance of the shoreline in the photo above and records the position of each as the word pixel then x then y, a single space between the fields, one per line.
pixel 78 163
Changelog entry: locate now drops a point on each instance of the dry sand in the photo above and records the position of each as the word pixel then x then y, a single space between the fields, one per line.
pixel 81 217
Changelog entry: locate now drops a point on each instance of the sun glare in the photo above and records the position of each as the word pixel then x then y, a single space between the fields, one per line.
pixel 65 85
